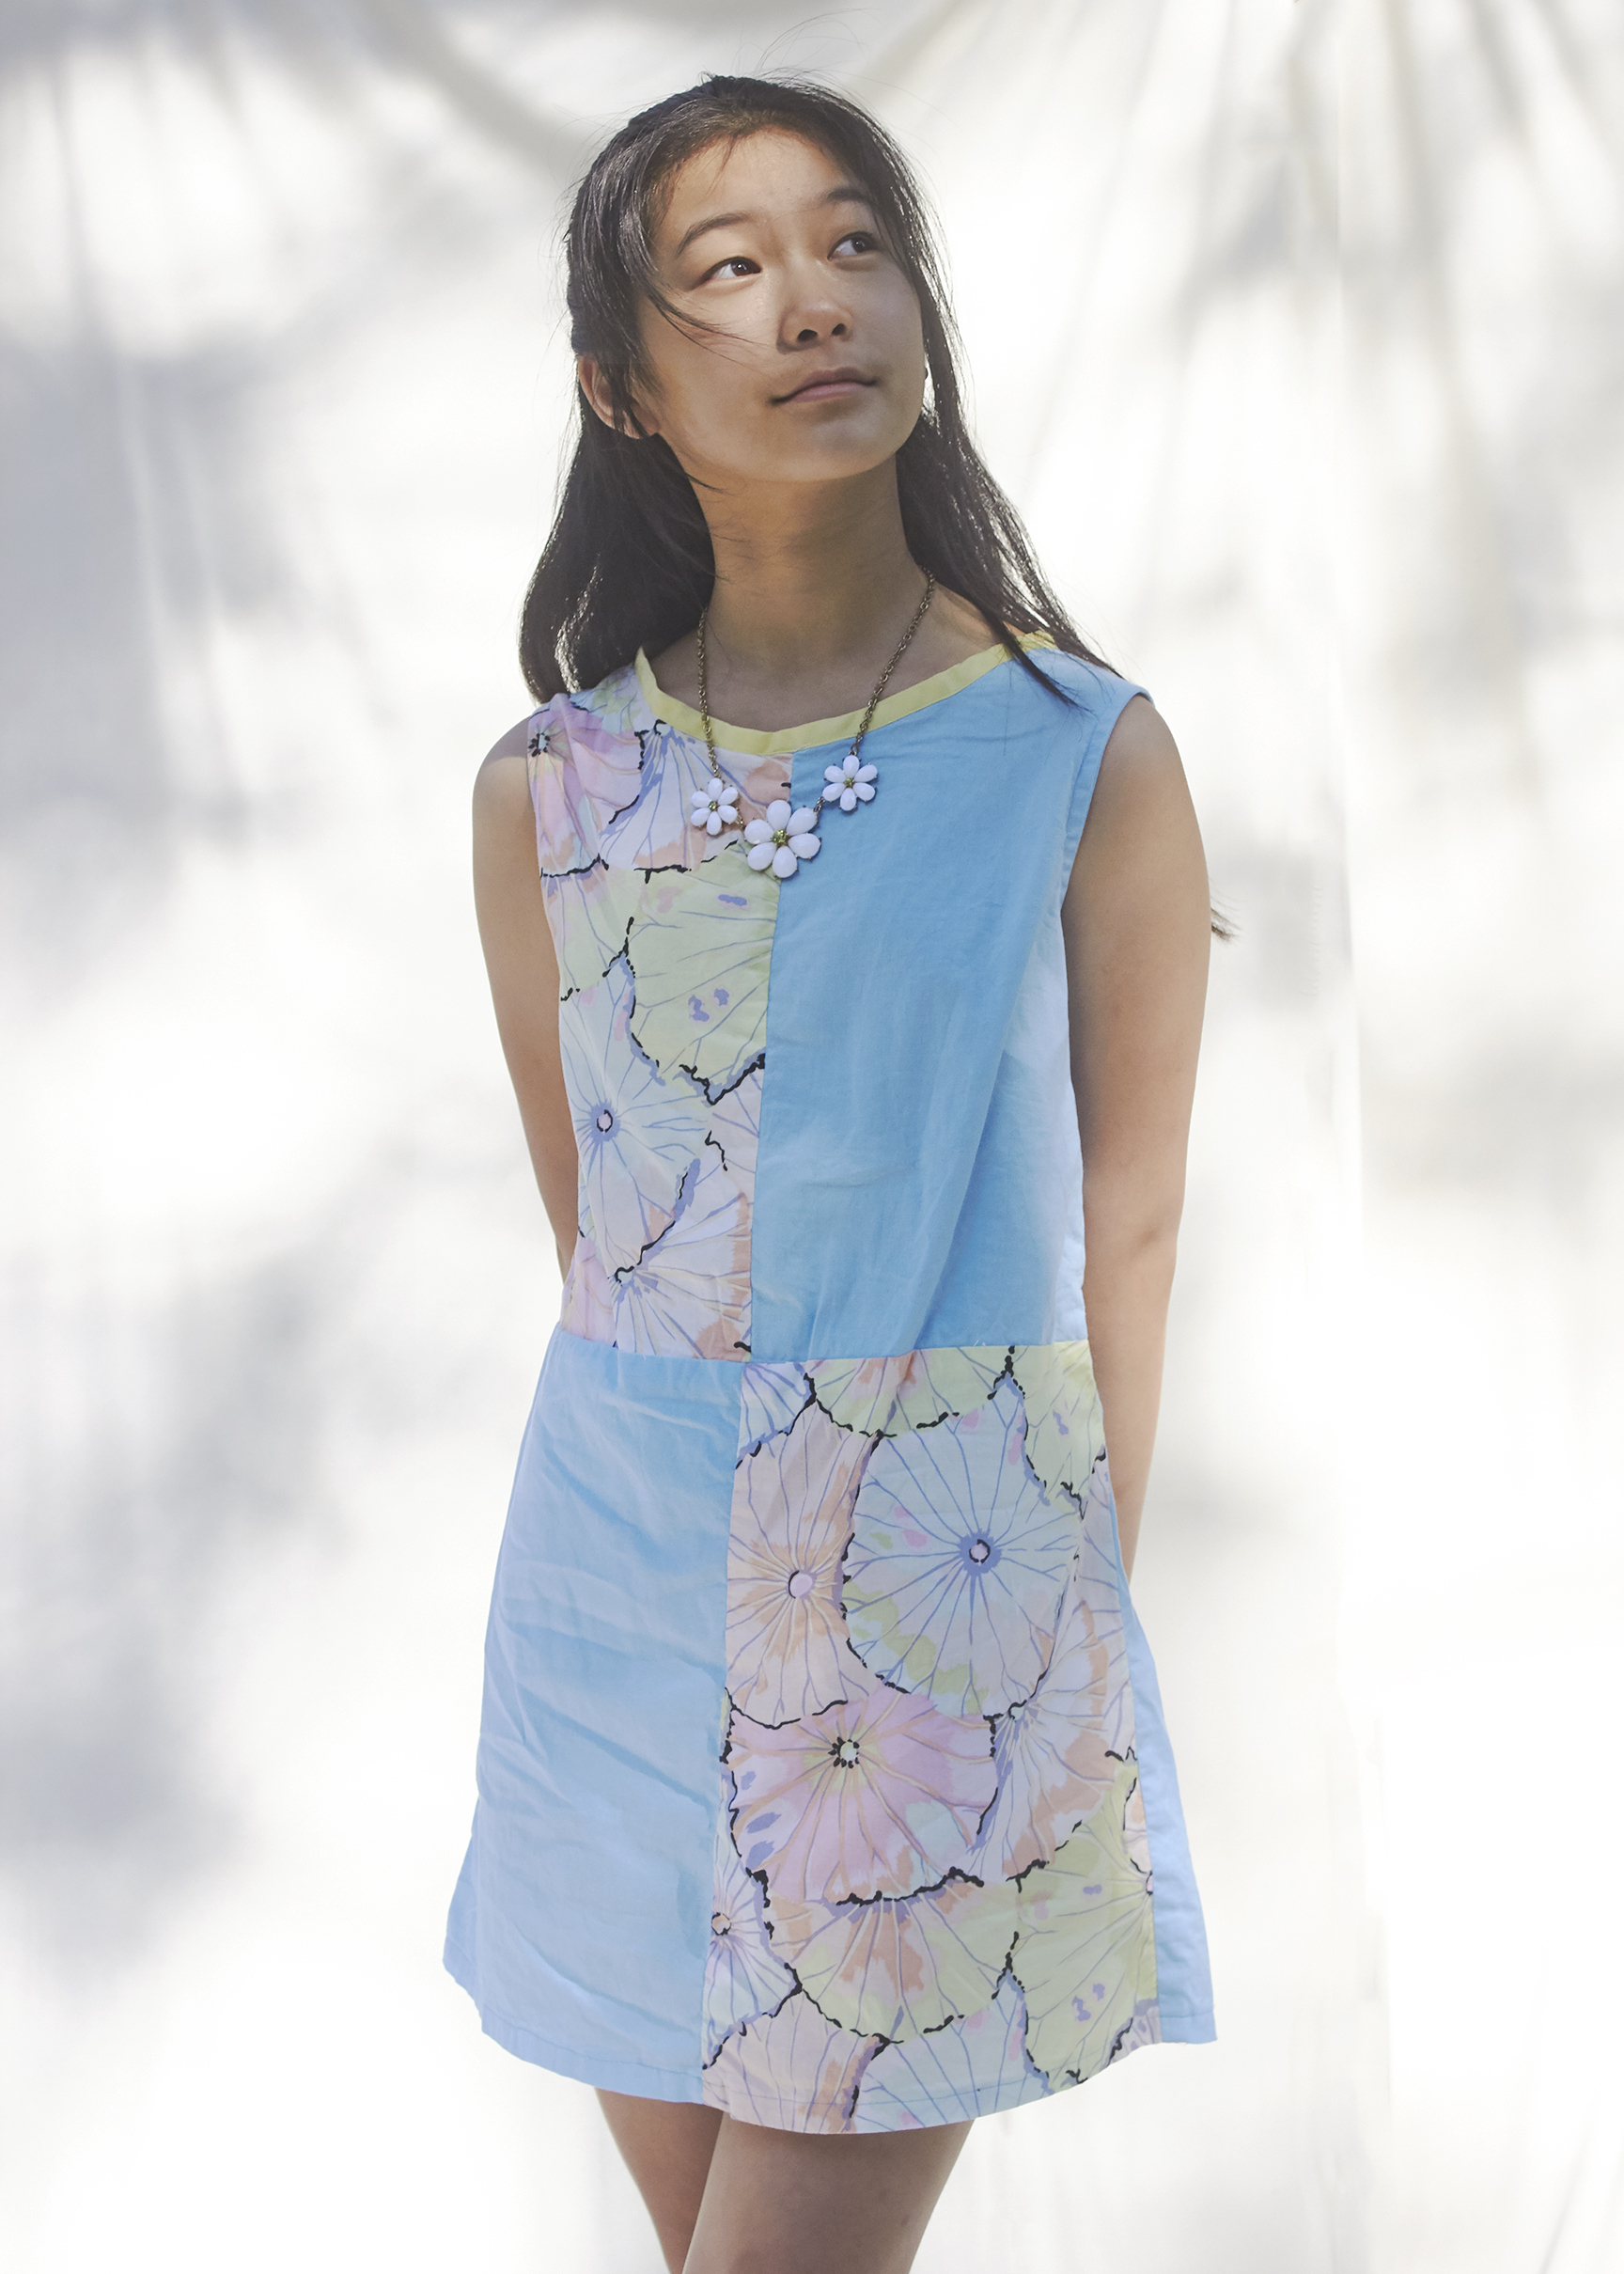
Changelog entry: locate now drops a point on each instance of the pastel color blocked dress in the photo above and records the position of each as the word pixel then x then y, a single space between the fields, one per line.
pixel 822 1775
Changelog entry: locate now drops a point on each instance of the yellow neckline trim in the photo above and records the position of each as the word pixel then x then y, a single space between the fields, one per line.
pixel 783 740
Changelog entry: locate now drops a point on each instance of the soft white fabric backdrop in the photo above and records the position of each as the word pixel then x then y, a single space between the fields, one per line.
pixel 1296 331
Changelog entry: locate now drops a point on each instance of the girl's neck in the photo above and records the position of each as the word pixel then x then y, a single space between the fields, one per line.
pixel 814 589
pixel 809 580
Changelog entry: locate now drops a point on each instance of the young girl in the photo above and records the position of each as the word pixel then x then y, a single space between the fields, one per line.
pixel 824 1799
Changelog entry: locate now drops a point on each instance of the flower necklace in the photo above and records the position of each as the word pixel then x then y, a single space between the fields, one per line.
pixel 789 835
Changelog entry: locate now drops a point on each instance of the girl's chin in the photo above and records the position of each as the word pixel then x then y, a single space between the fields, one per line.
pixel 818 451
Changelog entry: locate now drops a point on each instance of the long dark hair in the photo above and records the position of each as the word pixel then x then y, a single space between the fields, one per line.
pixel 628 563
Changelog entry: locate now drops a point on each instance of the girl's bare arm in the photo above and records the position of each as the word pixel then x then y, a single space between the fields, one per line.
pixel 523 969
pixel 1137 922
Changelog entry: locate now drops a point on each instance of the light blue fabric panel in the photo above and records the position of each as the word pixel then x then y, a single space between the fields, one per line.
pixel 1033 1118
pixel 918 1110
pixel 582 1919
pixel 1183 1974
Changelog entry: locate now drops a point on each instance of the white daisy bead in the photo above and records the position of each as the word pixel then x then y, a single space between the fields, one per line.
pixel 850 784
pixel 716 807
pixel 783 839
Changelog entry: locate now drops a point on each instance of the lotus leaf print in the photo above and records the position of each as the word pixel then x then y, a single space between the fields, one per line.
pixel 770 1394
pixel 958 1561
pixel 617 707
pixel 566 820
pixel 1085 1954
pixel 879 1795
pixel 1067 1433
pixel 743 1977
pixel 735 1127
pixel 1054 1766
pixel 971 2068
pixel 589 914
pixel 655 830
pixel 786 1653
pixel 1099 1587
pixel 898 1968
pixel 792 2069
pixel 700 945
pixel 637 1134
pixel 688 1296
pixel 884 1395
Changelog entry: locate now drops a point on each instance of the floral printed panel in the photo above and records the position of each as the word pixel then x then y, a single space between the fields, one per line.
pixel 658 975
pixel 972 2067
pixel 637 1135
pixel 793 1497
pixel 743 1976
pixel 891 1394
pixel 771 1397
pixel 616 706
pixel 566 819
pixel 700 947
pixel 735 1128
pixel 897 1969
pixel 793 2071
pixel 1086 1953
pixel 687 1296
pixel 688 1293
pixel 959 1560
pixel 928 1773
pixel 655 830
pixel 1053 1752
pixel 1097 1588
pixel 589 914
pixel 1066 1436
pixel 880 1794
pixel 592 780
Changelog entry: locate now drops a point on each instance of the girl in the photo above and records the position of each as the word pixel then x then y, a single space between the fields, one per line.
pixel 822 1774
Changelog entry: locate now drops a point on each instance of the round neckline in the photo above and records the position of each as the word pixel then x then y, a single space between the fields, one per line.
pixel 784 740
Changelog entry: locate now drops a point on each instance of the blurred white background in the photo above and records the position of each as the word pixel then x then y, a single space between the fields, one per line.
pixel 1297 330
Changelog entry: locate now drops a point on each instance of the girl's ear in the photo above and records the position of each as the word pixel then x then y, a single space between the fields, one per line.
pixel 595 386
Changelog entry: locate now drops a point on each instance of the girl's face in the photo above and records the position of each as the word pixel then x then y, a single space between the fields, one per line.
pixel 816 370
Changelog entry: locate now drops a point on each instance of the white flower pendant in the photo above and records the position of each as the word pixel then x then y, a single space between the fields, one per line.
pixel 849 785
pixel 716 807
pixel 784 840
pixel 789 834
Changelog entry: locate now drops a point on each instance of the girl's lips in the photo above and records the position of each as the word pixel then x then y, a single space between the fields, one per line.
pixel 823 390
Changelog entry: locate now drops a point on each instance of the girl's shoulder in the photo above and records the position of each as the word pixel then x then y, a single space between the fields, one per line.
pixel 1073 716
pixel 591 724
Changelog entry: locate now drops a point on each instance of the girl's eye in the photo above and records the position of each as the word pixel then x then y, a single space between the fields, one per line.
pixel 861 241
pixel 738 265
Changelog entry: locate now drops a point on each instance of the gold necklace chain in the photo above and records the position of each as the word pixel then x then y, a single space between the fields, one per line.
pixel 880 684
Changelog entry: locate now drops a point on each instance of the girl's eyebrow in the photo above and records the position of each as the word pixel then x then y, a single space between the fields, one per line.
pixel 844 193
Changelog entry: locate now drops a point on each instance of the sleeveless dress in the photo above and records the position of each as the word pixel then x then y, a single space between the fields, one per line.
pixel 822 1775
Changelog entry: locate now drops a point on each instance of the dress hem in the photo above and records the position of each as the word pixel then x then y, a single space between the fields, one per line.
pixel 679 2086
pixel 1189 2028
pixel 602 2074
pixel 966 2107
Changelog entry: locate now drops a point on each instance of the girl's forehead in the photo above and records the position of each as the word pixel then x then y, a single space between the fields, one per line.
pixel 771 169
